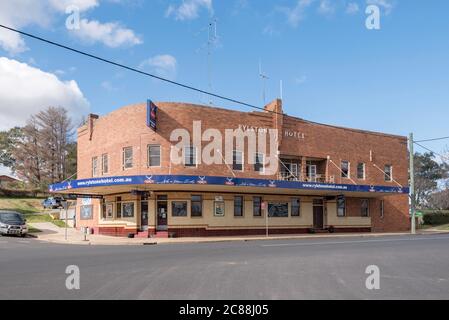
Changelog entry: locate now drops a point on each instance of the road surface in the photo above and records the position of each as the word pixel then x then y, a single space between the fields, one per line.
pixel 332 268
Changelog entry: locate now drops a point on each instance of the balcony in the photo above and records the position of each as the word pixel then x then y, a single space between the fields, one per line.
pixel 311 170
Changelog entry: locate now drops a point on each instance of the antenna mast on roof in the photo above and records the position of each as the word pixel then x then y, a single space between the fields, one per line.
pixel 263 78
pixel 212 40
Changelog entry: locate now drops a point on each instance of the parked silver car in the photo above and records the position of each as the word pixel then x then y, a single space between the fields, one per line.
pixel 12 223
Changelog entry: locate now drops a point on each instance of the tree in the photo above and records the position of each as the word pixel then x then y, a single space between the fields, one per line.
pixel 440 200
pixel 8 139
pixel 44 152
pixel 428 173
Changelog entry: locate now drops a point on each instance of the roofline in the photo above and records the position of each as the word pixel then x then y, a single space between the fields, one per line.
pixel 377 133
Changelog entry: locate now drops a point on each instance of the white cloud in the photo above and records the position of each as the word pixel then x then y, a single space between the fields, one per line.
pixel 386 5
pixel 326 7
pixel 22 13
pixel 82 5
pixel 300 80
pixel 352 8
pixel 18 14
pixel 111 34
pixel 189 9
pixel 26 90
pixel 163 65
pixel 296 14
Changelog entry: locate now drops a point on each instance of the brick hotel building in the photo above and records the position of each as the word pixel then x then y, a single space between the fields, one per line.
pixel 329 178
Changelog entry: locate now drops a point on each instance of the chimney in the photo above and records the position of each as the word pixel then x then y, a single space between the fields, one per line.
pixel 275 108
pixel 90 124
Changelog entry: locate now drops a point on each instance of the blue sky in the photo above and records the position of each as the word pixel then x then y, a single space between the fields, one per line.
pixel 334 70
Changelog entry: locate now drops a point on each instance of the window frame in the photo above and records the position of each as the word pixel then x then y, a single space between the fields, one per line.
pixel 118 207
pixel 348 176
pixel 95 167
pixel 103 157
pixel 196 201
pixel 343 199
pixel 299 207
pixel 390 176
pixel 123 203
pixel 124 163
pixel 234 158
pixel 364 171
pixel 173 203
pixel 193 156
pixel 105 215
pixel 261 164
pixel 242 207
pixel 149 157
pixel 221 202
pixel 362 208
pixel 382 209
pixel 259 207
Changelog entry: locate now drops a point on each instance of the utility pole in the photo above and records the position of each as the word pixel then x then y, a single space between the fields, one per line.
pixel 412 183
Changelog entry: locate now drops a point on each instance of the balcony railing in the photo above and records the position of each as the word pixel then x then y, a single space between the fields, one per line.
pixel 287 176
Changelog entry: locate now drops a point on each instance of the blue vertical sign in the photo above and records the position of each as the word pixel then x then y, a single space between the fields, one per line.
pixel 151 115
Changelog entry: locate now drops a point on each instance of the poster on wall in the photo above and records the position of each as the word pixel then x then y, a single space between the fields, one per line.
pixel 278 210
pixel 86 212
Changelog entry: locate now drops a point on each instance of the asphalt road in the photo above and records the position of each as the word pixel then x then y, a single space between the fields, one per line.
pixel 410 268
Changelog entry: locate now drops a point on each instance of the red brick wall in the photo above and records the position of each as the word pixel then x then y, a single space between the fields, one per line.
pixel 127 127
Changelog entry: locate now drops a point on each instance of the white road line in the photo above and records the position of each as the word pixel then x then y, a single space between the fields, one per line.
pixel 348 242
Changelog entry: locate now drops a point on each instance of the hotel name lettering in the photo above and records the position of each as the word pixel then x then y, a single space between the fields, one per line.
pixel 287 133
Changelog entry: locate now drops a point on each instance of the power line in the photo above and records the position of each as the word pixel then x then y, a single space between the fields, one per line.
pixel 435 139
pixel 438 154
pixel 137 70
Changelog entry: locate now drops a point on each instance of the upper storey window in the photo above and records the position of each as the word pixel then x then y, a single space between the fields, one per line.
pixel 127 158
pixel 154 156
pixel 361 174
pixel 388 173
pixel 104 164
pixel 190 156
pixel 345 169
pixel 259 160
pixel 94 167
pixel 237 160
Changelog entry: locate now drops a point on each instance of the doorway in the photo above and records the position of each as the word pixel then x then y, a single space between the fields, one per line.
pixel 144 215
pixel 162 213
pixel 318 214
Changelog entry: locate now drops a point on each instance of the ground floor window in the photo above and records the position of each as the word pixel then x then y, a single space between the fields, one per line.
pixel 118 201
pixel 219 208
pixel 257 206
pixel 128 209
pixel 238 206
pixel 179 208
pixel 365 208
pixel 341 206
pixel 296 207
pixel 108 211
pixel 196 206
pixel 382 209
pixel 278 210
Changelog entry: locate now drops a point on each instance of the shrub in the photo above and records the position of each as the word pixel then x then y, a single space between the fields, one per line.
pixel 436 218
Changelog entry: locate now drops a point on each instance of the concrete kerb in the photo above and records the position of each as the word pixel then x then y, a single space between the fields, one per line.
pixel 113 241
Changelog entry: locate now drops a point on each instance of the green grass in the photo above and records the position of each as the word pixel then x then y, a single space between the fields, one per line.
pixel 22 205
pixel 31 208
pixel 443 227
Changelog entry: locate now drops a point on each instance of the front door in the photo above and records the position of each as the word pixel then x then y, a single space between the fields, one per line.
pixel 144 215
pixel 162 213
pixel 318 214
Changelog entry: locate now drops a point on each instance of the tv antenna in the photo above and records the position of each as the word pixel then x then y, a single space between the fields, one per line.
pixel 212 40
pixel 263 77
